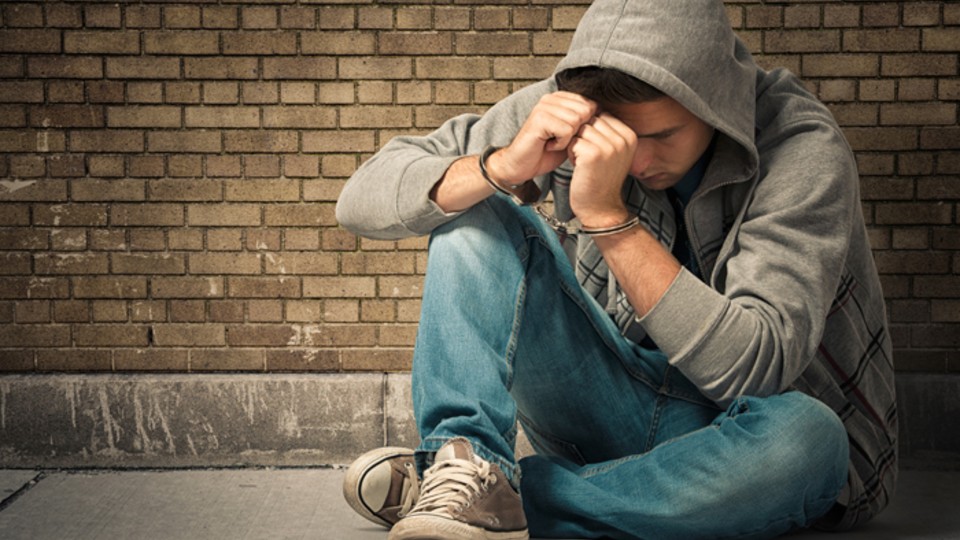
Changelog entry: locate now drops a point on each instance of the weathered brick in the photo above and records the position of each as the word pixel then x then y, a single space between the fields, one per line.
pixel 298 215
pixel 523 67
pixel 187 287
pixel 226 360
pixel 300 68
pixel 918 114
pixel 220 68
pixel 940 138
pixel 299 117
pixel 138 67
pixel 375 68
pixel 30 41
pixel 309 359
pixel 150 360
pixel 88 189
pixel 888 138
pixel 101 42
pixel 143 116
pixel 223 215
pixel 189 335
pixel 142 16
pixel 262 190
pixel 339 141
pixel 13 263
pixel 376 359
pixel 260 141
pixel 71 263
pixel 339 287
pixel 433 116
pixel 70 215
pixel 298 17
pixel 225 263
pixel 34 287
pixel 400 286
pixel 193 141
pixel 419 43
pixel 107 141
pixel 376 116
pixel 264 287
pixel 146 263
pixel 109 287
pixel 913 213
pixel 153 214
pixel 72 67
pixel 840 65
pixel 21 91
pixel 110 335
pixel 181 43
pixel 301 263
pixel 912 65
pixel 452 68
pixel 227 117
pixel 260 43
pixel 881 40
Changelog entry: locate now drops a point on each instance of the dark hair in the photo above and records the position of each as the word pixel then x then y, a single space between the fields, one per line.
pixel 606 85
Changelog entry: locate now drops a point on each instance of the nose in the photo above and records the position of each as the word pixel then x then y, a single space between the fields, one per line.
pixel 642 159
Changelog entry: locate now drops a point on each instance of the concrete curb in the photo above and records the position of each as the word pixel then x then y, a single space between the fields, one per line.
pixel 235 420
pixel 199 420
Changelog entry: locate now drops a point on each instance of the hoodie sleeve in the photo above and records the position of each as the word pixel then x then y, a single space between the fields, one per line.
pixel 388 197
pixel 758 328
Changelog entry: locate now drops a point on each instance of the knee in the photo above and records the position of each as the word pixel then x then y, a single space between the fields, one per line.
pixel 808 441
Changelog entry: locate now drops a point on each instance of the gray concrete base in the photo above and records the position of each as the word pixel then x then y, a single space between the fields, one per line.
pixel 196 420
pixel 203 420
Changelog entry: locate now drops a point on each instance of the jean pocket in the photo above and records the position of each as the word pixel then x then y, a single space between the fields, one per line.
pixel 548 445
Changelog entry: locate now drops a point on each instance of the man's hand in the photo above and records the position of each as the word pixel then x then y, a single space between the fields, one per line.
pixel 601 152
pixel 542 143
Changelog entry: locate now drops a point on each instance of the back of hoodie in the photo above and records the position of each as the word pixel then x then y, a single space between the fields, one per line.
pixel 789 298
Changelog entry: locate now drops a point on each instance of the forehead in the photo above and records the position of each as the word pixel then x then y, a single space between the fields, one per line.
pixel 651 116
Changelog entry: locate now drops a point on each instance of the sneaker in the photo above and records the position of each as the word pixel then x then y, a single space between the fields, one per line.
pixel 382 485
pixel 463 497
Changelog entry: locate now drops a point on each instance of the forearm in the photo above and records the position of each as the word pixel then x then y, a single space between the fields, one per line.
pixel 643 267
pixel 461 187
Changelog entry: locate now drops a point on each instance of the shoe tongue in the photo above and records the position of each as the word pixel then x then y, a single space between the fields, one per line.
pixel 455 449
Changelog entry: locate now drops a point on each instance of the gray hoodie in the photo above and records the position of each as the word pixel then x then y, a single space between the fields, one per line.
pixel 789 297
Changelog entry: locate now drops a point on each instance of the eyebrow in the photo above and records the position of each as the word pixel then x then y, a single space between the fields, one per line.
pixel 663 134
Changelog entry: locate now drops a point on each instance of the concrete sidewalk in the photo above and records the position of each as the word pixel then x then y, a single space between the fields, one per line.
pixel 306 503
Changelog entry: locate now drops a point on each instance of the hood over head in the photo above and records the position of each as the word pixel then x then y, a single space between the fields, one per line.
pixel 684 48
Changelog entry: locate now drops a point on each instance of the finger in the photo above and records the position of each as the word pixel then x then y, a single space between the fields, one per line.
pixel 615 124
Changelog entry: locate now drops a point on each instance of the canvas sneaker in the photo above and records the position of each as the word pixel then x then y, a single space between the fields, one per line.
pixel 382 485
pixel 463 497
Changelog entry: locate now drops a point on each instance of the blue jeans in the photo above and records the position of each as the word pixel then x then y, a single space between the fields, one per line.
pixel 626 446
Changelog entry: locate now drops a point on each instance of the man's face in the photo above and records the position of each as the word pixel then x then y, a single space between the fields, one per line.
pixel 670 140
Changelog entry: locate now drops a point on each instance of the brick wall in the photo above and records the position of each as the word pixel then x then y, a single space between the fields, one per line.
pixel 168 170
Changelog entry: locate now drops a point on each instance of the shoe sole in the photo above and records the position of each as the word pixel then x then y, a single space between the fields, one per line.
pixel 438 528
pixel 355 474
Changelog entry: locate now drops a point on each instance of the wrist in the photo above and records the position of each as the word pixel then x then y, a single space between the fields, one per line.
pixel 606 219
pixel 499 171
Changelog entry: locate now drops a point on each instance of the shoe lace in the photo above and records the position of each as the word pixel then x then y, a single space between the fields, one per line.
pixel 411 490
pixel 451 485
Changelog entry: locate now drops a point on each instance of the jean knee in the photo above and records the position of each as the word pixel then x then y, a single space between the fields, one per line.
pixel 817 440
